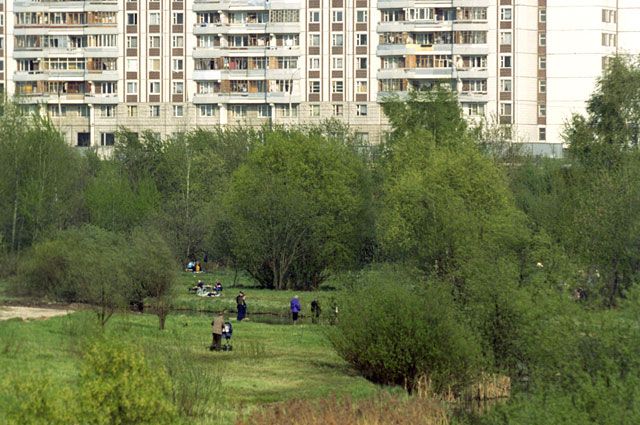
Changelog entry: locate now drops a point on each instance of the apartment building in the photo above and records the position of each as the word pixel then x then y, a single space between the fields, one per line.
pixel 168 66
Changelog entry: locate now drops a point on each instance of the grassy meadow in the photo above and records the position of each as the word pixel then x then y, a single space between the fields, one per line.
pixel 259 301
pixel 270 363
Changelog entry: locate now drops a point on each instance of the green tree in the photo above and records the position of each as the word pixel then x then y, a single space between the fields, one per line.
pixel 153 270
pixel 41 178
pixel 115 204
pixel 296 208
pixel 613 113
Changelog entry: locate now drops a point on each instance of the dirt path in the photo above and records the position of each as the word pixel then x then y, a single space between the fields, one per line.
pixel 30 313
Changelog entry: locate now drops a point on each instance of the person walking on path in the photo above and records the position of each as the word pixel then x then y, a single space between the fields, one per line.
pixel 295 308
pixel 217 327
pixel 241 305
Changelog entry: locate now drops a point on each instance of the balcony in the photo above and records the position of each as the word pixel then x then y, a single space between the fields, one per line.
pixel 103 99
pixel 216 5
pixel 415 49
pixel 67 6
pixel 249 98
pixel 395 4
pixel 219 51
pixel 63 75
pixel 247 28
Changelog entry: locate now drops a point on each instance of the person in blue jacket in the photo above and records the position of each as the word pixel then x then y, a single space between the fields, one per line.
pixel 295 309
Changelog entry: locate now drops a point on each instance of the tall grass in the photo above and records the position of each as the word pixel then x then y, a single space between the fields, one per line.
pixel 383 409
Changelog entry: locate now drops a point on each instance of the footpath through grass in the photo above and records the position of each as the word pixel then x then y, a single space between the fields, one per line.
pixel 269 363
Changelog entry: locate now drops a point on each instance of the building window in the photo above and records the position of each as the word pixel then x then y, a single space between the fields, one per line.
pixel 287 111
pixel 178 87
pixel 177 18
pixel 132 64
pixel 505 37
pixel 337 62
pixel 542 110
pixel 154 41
pixel 609 16
pixel 207 110
pixel 361 62
pixel 337 86
pixel 154 18
pixel 177 65
pixel 542 15
pixel 505 14
pixel 178 110
pixel 107 111
pixel 132 41
pixel 505 85
pixel 264 111
pixel 362 110
pixel 542 134
pixel 542 62
pixel 314 63
pixel 505 109
pixel 362 16
pixel 608 39
pixel 505 61
pixel 154 87
pixel 132 111
pixel 542 85
pixel 361 86
pixel 361 39
pixel 154 111
pixel 84 140
pixel 314 16
pixel 338 110
pixel 177 41
pixel 314 40
pixel 362 138
pixel 542 39
pixel 337 16
pixel 473 109
pixel 314 86
pixel 132 19
pixel 132 87
pixel 107 139
pixel 238 111
pixel 314 110
pixel 154 65
pixel 337 40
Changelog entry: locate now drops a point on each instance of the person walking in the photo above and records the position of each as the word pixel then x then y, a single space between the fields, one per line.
pixel 217 328
pixel 241 305
pixel 295 308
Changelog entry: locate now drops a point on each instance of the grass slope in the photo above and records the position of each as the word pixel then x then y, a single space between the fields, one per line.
pixel 269 363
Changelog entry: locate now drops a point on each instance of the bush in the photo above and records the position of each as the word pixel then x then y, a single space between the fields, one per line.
pixel 35 400
pixel 397 332
pixel 118 387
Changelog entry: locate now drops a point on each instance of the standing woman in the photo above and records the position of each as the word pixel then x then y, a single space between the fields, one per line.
pixel 295 308
pixel 241 305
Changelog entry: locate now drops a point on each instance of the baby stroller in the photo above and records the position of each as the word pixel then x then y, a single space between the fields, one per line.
pixel 227 330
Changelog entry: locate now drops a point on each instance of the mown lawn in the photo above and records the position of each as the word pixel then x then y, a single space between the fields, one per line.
pixel 269 363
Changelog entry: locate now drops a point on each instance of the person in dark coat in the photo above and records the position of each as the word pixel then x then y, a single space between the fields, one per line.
pixel 217 328
pixel 241 305
pixel 295 308
pixel 315 311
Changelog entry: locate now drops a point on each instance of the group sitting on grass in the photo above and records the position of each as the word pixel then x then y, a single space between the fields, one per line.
pixel 202 290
